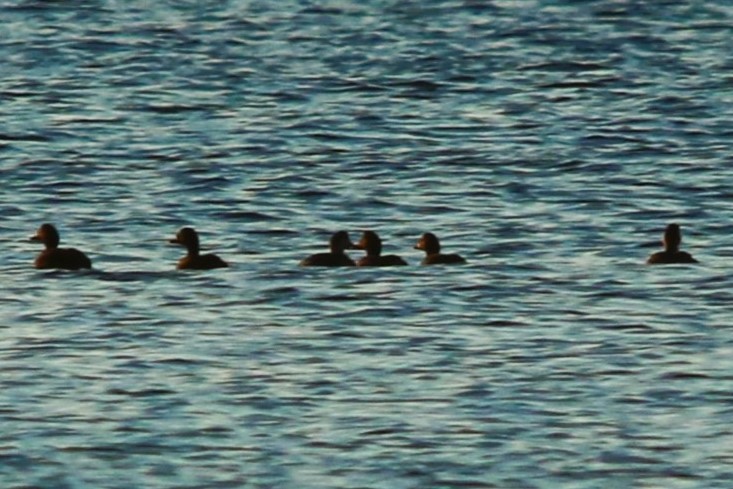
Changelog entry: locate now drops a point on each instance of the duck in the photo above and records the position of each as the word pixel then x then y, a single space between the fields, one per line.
pixel 372 243
pixel 431 245
pixel 55 257
pixel 671 254
pixel 339 242
pixel 193 260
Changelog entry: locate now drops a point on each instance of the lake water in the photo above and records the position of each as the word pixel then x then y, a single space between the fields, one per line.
pixel 547 142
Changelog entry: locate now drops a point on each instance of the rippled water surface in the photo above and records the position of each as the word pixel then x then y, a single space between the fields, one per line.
pixel 547 142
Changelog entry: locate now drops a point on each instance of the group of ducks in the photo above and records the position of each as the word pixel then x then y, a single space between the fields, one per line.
pixel 372 244
pixel 53 257
pixel 72 259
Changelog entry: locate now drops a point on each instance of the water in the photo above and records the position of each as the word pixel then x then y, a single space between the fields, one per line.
pixel 547 142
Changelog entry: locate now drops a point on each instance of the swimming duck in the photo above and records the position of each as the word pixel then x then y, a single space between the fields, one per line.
pixel 55 257
pixel 371 242
pixel 336 258
pixel 193 260
pixel 430 244
pixel 671 254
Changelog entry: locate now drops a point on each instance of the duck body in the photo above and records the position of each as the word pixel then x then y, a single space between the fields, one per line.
pixel 431 245
pixel 671 254
pixel 670 257
pixel 201 262
pixel 62 258
pixel 54 257
pixel 381 261
pixel 336 257
pixel 443 259
pixel 372 243
pixel 194 260
pixel 327 260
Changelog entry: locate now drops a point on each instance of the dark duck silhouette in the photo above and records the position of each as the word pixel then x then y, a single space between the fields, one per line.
pixel 372 243
pixel 429 243
pixel 671 254
pixel 55 257
pixel 193 260
pixel 336 257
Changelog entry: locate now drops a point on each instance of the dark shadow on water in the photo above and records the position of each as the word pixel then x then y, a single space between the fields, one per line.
pixel 136 276
pixel 127 276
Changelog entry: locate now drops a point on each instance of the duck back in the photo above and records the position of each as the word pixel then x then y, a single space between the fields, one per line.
pixel 327 260
pixel 670 257
pixel 64 258
pixel 443 259
pixel 381 261
pixel 201 262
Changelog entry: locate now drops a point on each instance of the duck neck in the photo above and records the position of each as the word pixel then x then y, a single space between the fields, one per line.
pixel 51 243
pixel 374 250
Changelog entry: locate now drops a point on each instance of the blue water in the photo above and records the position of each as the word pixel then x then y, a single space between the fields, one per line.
pixel 547 142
